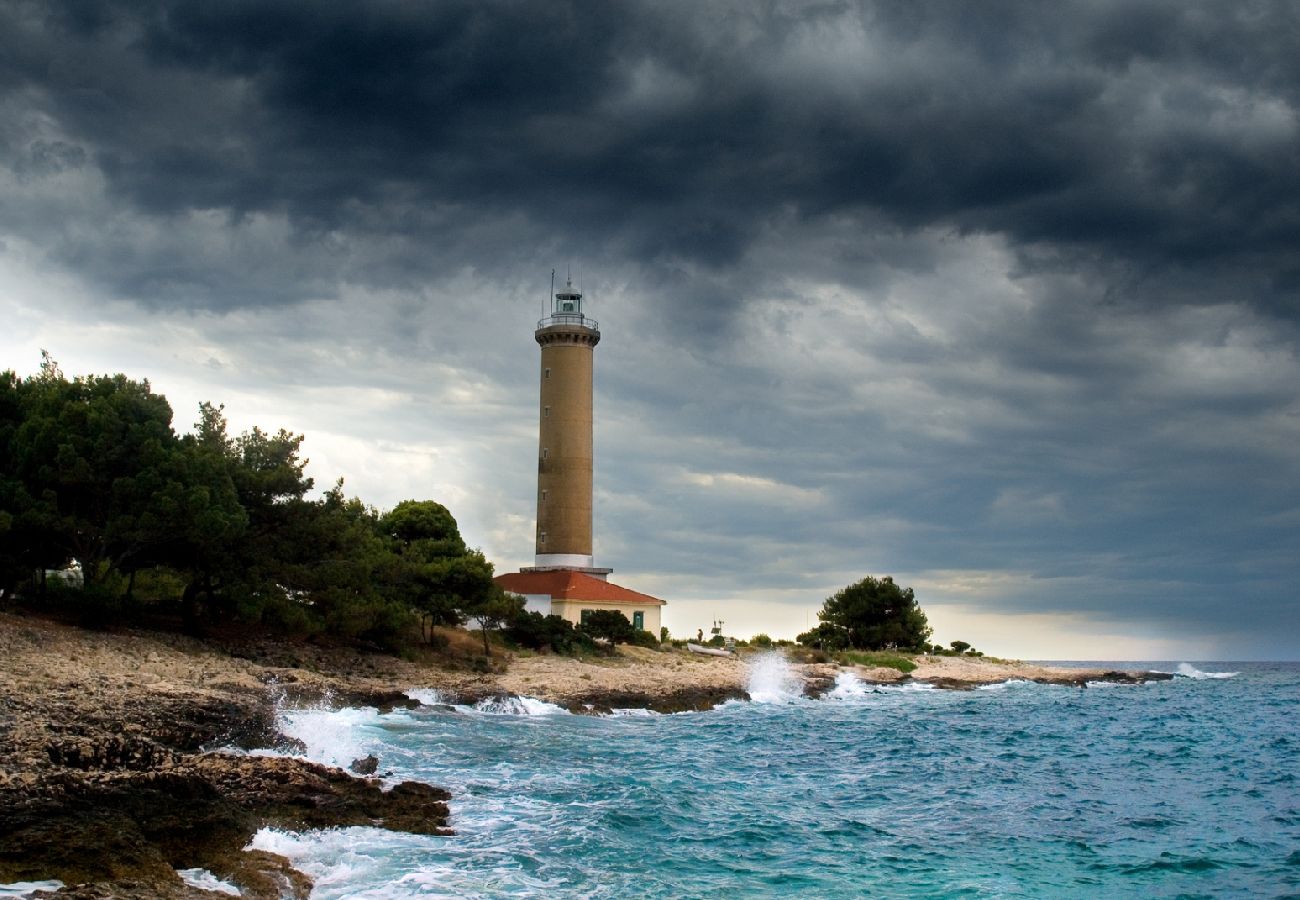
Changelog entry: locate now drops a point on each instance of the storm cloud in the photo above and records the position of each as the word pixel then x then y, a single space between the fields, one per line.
pixel 1001 299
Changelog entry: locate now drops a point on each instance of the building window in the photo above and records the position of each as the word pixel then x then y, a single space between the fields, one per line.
pixel 586 616
pixel 546 412
pixel 543 495
pixel 638 621
pixel 541 537
pixel 546 373
pixel 544 452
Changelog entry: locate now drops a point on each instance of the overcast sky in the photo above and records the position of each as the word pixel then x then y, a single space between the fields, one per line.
pixel 1000 299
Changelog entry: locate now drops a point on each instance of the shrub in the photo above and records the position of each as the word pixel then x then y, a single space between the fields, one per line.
pixel 609 624
pixel 642 638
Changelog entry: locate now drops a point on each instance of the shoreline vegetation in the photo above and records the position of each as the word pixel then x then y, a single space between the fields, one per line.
pixel 123 754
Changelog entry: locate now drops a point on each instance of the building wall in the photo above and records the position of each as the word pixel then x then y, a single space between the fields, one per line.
pixel 564 453
pixel 572 611
pixel 538 603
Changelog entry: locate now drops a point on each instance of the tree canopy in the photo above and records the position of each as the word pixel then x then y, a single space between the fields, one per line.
pixel 872 614
pixel 219 528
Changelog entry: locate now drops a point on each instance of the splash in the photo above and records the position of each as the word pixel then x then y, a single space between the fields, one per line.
pixel 1187 670
pixel 205 880
pixel 514 706
pixel 427 696
pixel 848 687
pixel 771 680
pixel 334 737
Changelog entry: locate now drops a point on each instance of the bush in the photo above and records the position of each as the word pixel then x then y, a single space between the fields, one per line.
pixel 608 624
pixel 761 640
pixel 876 658
pixel 642 638
pixel 534 631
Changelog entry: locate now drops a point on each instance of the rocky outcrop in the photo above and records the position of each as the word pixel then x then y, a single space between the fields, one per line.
pixel 697 698
pixel 130 824
pixel 109 782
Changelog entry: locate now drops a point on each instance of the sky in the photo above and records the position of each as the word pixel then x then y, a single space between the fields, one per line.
pixel 998 299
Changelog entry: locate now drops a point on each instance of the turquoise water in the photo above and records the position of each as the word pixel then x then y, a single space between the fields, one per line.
pixel 1184 788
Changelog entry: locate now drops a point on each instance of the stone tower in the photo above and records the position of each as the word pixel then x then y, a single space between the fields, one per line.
pixel 564 454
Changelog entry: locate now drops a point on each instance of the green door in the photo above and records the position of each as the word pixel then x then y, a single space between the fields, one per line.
pixel 638 621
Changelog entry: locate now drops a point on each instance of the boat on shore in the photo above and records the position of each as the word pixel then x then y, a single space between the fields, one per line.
pixel 709 651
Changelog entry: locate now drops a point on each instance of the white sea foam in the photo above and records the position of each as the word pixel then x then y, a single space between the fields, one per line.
pixel 514 706
pixel 633 713
pixel 205 880
pixel 848 687
pixel 349 862
pixel 427 696
pixel 1002 685
pixel 19 889
pixel 1187 670
pixel 334 737
pixel 772 680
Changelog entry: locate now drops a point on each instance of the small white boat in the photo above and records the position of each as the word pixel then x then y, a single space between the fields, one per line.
pixel 711 651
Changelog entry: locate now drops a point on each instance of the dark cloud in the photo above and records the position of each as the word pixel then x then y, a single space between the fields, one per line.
pixel 1145 132
pixel 979 287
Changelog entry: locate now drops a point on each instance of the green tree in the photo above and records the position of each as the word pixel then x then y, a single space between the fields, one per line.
pixel 873 614
pixel 491 610
pixel 88 462
pixel 959 646
pixel 431 570
pixel 610 625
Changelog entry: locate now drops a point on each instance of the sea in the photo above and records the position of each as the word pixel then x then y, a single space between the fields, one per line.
pixel 1179 788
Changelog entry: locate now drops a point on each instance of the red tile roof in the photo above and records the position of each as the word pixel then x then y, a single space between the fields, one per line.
pixel 565 584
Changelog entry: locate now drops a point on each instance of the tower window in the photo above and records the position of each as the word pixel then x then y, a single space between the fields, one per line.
pixel 543 495
pixel 541 538
pixel 546 373
pixel 546 411
pixel 545 453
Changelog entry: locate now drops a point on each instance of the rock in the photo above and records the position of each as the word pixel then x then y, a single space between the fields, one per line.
pixel 296 794
pixel 367 766
pixel 688 699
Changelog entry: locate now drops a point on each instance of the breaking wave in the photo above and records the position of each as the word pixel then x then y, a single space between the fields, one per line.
pixel 1187 670
pixel 772 680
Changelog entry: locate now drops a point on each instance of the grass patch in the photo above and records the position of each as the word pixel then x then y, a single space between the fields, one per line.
pixel 873 658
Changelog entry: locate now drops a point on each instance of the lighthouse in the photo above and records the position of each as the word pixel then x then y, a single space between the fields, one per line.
pixel 568 338
pixel 564 580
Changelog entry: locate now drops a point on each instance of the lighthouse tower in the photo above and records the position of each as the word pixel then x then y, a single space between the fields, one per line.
pixel 565 580
pixel 564 452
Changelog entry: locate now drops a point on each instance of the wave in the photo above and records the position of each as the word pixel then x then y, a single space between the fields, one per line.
pixel 333 737
pixel 205 880
pixel 513 706
pixel 1002 685
pixel 1187 670
pixel 427 696
pixel 772 680
pixel 848 687
pixel 20 889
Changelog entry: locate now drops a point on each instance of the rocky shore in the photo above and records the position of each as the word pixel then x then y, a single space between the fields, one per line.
pixel 122 754
pixel 111 780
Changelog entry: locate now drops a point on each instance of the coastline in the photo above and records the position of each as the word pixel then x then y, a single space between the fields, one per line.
pixel 113 775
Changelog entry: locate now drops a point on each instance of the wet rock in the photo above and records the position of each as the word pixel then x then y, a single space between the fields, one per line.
pixel 295 793
pixel 692 699
pixel 365 766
